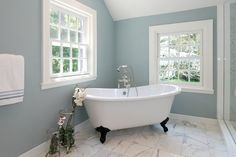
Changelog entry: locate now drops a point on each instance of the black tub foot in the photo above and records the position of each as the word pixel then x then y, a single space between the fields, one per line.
pixel 163 124
pixel 103 132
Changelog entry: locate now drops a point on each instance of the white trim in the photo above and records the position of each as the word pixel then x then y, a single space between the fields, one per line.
pixel 91 14
pixel 220 61
pixel 193 118
pixel 197 90
pixel 231 146
pixel 123 9
pixel 42 149
pixel 207 29
pixel 69 81
pixel 227 63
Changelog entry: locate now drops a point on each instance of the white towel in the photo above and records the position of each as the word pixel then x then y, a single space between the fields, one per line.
pixel 11 79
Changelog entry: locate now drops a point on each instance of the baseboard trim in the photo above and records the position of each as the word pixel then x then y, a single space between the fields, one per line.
pixel 194 118
pixel 41 149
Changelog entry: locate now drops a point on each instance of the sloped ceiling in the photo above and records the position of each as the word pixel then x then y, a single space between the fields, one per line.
pixel 125 9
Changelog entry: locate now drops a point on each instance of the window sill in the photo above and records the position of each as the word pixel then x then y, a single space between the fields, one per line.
pixel 59 82
pixel 197 90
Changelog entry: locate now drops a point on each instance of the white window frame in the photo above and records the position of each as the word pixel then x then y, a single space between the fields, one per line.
pixel 49 81
pixel 206 28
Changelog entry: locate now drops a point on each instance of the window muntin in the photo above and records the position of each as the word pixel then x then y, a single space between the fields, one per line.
pixel 181 58
pixel 68 43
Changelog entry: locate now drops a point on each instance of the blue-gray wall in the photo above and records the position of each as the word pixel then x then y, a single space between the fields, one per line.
pixel 24 125
pixel 132 48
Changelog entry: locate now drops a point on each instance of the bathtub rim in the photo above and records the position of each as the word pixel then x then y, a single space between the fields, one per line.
pixel 175 91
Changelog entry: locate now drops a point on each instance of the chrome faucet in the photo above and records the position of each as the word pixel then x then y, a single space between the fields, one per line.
pixel 127 78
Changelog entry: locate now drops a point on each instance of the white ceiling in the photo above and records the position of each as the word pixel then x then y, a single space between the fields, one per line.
pixel 124 9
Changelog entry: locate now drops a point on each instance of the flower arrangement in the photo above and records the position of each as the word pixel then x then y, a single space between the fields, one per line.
pixel 65 134
pixel 79 96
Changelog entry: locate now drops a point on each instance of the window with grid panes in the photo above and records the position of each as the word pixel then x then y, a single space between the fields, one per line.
pixel 180 58
pixel 182 54
pixel 69 43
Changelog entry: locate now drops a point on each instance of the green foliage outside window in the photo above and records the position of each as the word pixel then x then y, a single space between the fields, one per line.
pixel 66 65
pixel 56 51
pixel 56 66
pixel 66 52
pixel 54 18
pixel 176 64
pixel 66 31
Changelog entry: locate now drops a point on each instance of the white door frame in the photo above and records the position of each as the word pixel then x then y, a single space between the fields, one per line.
pixel 226 63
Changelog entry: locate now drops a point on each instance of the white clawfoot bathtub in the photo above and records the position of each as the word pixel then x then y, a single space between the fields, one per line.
pixel 112 109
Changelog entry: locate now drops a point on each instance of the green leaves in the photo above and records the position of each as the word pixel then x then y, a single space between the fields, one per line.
pixel 56 66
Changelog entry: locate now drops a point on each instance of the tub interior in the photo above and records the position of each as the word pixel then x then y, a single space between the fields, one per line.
pixel 150 90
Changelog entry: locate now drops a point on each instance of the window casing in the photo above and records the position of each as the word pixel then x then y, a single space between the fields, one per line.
pixel 182 54
pixel 69 43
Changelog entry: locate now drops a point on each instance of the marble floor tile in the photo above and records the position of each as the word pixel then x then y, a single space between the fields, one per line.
pixel 184 139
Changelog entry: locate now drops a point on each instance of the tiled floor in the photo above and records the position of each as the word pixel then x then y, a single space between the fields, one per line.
pixel 184 139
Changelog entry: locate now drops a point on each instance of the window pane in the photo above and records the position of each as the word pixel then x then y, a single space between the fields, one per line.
pixel 83 65
pixel 54 32
pixel 83 52
pixel 75 52
pixel 73 36
pixel 64 20
pixel 66 65
pixel 195 65
pixel 74 65
pixel 80 24
pixel 183 65
pixel 194 38
pixel 164 65
pixel 173 40
pixel 164 76
pixel 73 22
pixel 80 37
pixel 56 51
pixel 164 52
pixel 66 52
pixel 64 34
pixel 164 41
pixel 174 51
pixel 195 51
pixel 56 66
pixel 54 16
pixel 184 51
pixel 183 39
pixel 173 65
pixel 173 76
pixel 195 76
pixel 183 76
